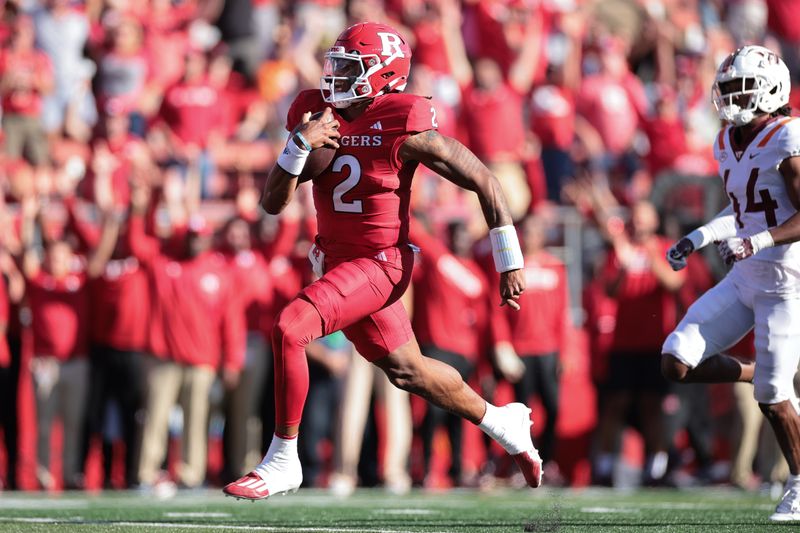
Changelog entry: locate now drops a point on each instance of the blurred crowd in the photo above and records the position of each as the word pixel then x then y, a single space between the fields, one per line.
pixel 141 278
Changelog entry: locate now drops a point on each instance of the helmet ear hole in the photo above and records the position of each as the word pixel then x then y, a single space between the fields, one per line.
pixel 387 75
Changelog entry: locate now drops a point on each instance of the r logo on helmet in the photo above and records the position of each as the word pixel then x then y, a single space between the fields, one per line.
pixel 391 44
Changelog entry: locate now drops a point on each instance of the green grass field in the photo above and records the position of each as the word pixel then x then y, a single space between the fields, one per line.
pixel 372 511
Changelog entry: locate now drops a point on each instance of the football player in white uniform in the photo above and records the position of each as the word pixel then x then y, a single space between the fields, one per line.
pixel 758 151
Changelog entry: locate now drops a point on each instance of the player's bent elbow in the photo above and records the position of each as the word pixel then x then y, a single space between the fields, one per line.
pixel 271 210
pixel 271 206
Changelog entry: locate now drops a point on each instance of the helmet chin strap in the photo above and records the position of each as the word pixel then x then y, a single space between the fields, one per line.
pixel 341 104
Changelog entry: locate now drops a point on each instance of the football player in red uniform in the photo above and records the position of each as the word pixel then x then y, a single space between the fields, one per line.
pixel 362 251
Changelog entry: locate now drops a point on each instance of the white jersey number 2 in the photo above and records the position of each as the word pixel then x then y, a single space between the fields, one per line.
pixel 347 185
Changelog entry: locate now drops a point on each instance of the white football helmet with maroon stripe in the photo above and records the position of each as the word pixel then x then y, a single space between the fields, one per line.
pixel 750 81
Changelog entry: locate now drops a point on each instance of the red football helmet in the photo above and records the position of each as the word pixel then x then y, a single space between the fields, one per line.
pixel 367 60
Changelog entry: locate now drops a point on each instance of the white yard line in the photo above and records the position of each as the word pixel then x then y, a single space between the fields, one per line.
pixel 189 525
pixel 609 510
pixel 196 515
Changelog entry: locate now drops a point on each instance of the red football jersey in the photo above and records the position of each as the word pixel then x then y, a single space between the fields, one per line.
pixel 363 197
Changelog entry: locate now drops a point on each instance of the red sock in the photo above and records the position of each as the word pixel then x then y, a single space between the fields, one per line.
pixel 298 324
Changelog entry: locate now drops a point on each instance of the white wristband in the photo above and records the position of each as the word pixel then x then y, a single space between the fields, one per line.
pixel 699 237
pixel 293 158
pixel 505 249
pixel 762 240
pixel 719 228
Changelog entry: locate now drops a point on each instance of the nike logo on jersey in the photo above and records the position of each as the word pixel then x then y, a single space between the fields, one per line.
pixel 376 126
pixel 752 156
pixel 361 140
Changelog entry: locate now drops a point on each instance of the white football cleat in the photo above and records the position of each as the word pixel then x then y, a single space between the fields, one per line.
pixel 268 479
pixel 515 438
pixel 788 509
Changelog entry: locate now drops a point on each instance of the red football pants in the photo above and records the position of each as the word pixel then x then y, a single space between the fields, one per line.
pixel 358 296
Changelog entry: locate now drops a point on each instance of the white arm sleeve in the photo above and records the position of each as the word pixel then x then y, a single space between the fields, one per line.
pixel 721 227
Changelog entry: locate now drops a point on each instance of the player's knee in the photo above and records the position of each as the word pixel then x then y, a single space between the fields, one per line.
pixel 293 326
pixel 673 369
pixel 282 329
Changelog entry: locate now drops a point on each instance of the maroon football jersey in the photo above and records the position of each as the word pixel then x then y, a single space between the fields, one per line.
pixel 362 198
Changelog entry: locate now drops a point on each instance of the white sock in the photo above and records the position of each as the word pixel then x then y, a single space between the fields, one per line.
pixel 281 455
pixel 490 423
pixel 498 423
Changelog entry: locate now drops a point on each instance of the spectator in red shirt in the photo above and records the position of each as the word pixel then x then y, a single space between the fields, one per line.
pixel 612 100
pixel 552 105
pixel 638 276
pixel 166 26
pixel 196 329
pixel 665 132
pixel 118 148
pixel 25 76
pixel 119 312
pixel 450 319
pixel 251 277
pixel 58 300
pixel 191 108
pixel 194 112
pixel 536 332
pixel 492 105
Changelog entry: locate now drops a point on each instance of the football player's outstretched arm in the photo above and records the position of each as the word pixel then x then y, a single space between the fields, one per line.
pixel 719 228
pixel 282 179
pixel 454 162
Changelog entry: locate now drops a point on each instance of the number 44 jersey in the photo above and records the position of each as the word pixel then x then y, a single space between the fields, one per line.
pixel 362 199
pixel 757 191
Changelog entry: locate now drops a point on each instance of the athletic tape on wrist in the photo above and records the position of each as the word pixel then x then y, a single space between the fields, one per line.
pixel 699 237
pixel 762 240
pixel 505 249
pixel 293 158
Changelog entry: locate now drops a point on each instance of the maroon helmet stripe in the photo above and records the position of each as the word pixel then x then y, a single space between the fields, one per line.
pixel 729 60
